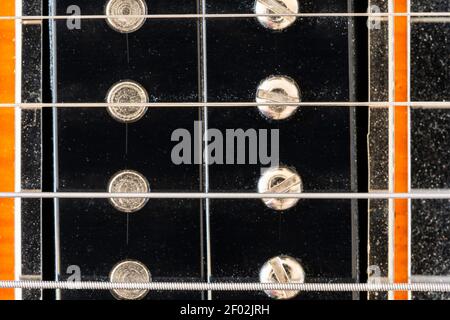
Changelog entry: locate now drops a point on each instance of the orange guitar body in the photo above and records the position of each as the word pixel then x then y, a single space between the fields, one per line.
pixel 7 83
pixel 401 145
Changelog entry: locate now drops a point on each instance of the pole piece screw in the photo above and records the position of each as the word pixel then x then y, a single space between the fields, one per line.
pixel 280 180
pixel 280 7
pixel 282 269
pixel 278 89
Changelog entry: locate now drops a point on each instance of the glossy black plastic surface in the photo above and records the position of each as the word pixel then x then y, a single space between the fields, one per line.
pixel 169 236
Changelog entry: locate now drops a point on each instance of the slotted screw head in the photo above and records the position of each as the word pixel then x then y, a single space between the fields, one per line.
pixel 278 89
pixel 280 180
pixel 282 269
pixel 276 7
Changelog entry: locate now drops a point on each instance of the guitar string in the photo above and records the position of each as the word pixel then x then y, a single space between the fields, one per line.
pixel 204 46
pixel 245 104
pixel 426 194
pixel 204 16
pixel 228 15
pixel 235 286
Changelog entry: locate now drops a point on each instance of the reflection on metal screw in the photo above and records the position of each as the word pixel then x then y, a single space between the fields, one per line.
pixel 282 269
pixel 276 7
pixel 280 89
pixel 280 180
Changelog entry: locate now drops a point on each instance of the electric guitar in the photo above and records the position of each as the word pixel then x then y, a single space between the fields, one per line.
pixel 159 142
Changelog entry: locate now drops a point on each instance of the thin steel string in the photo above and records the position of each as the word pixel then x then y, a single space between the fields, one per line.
pixel 382 104
pixel 229 15
pixel 236 286
pixel 206 146
pixel 229 195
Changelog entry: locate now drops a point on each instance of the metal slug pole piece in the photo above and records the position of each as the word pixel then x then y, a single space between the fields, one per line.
pixel 127 92
pixel 280 7
pixel 129 271
pixel 131 182
pixel 282 269
pixel 125 8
